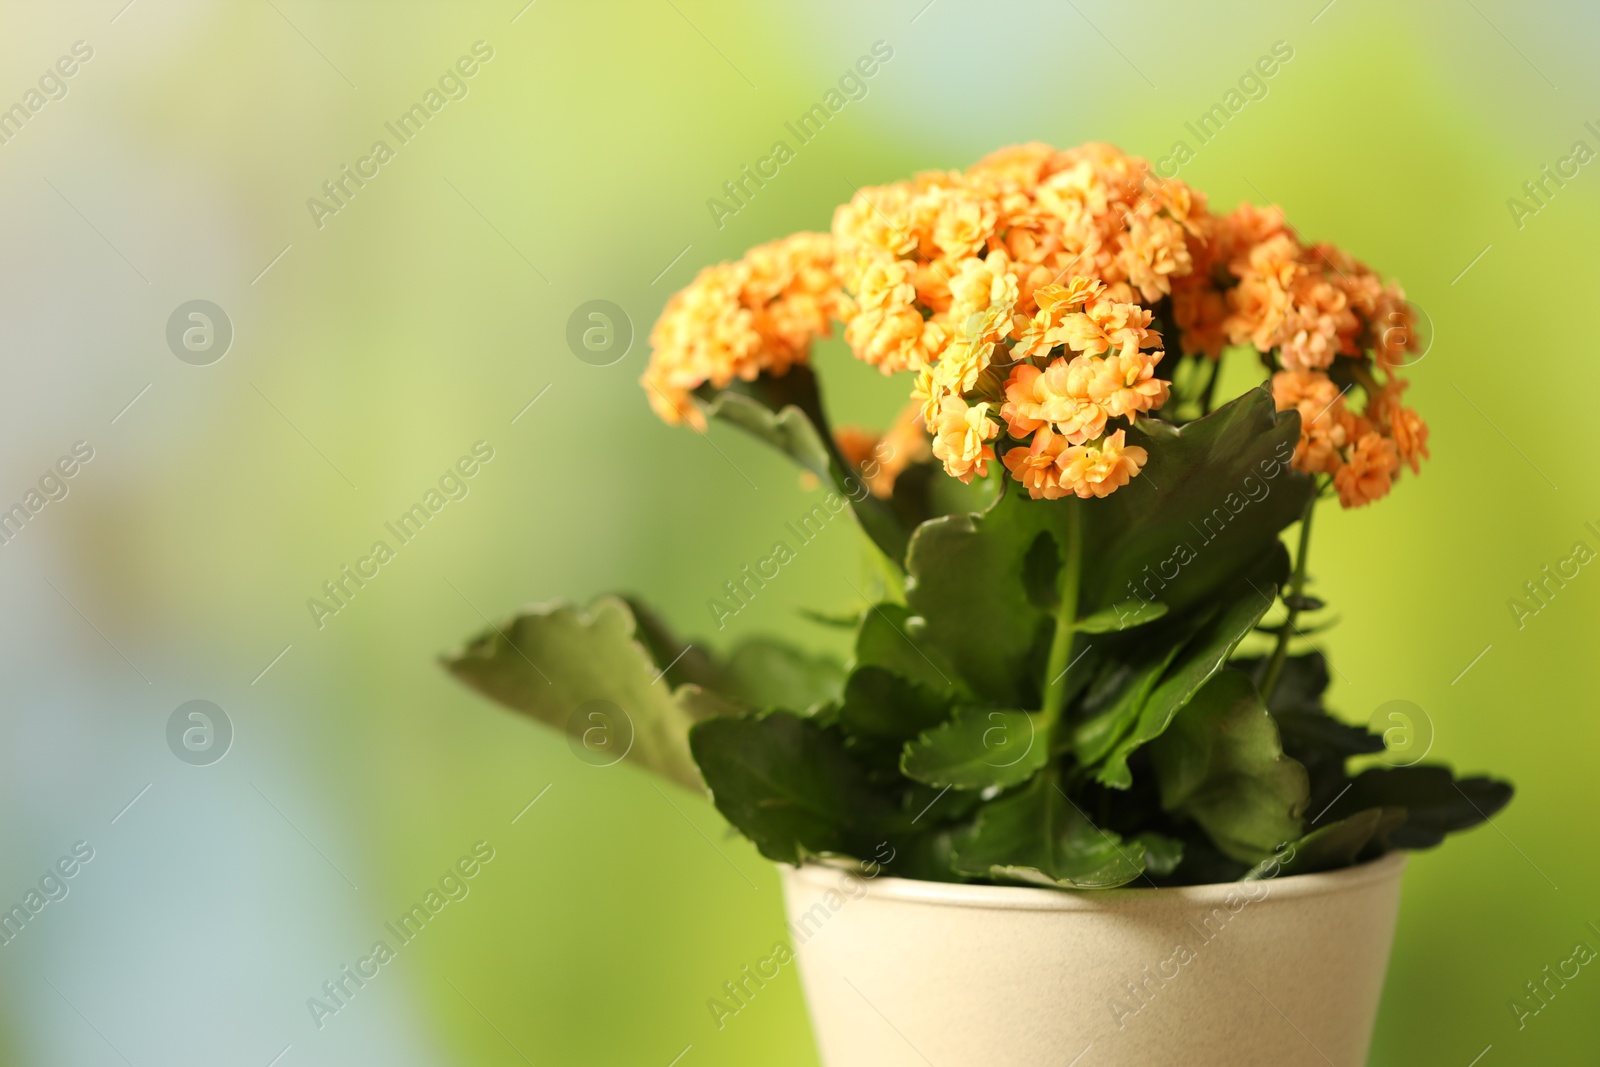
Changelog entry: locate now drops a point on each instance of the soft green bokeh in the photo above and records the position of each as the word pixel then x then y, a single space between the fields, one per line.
pixel 424 316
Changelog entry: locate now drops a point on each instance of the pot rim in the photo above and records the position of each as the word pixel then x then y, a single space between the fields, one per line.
pixel 1387 867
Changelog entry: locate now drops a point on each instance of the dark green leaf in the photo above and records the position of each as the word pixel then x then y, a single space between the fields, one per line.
pixel 1301 683
pixel 1220 763
pixel 788 785
pixel 1316 731
pixel 1436 803
pixel 1210 502
pixel 1246 600
pixel 882 705
pixel 979 748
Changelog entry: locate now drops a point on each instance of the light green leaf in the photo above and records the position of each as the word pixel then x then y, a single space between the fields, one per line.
pixel 979 748
pixel 1123 615
pixel 764 673
pixel 891 638
pixel 1035 835
pixel 1338 844
pixel 553 661
pixel 966 578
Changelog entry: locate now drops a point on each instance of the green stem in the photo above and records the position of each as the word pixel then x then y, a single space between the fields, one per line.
pixel 1297 586
pixel 1055 688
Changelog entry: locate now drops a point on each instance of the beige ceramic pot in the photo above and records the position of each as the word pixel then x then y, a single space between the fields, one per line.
pixel 1278 972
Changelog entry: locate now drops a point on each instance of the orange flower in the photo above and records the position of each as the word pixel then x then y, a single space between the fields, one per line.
pixel 1322 418
pixel 1090 470
pixel 1369 472
pixel 1036 466
pixel 960 436
pixel 1125 385
pixel 1058 396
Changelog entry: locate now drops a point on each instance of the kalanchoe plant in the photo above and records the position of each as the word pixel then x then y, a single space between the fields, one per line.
pixel 1051 690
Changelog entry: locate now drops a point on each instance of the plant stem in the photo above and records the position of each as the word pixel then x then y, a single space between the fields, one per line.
pixel 1297 586
pixel 1211 387
pixel 1055 688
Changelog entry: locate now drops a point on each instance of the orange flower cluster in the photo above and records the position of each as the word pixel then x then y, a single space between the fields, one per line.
pixel 1023 294
pixel 1322 311
pixel 1361 452
pixel 736 320
pixel 958 277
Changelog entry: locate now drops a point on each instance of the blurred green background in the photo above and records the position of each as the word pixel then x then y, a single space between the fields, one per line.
pixel 432 308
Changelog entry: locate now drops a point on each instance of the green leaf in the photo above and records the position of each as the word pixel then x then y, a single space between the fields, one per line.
pixel 1318 732
pixel 1339 844
pixel 685 663
pixel 1202 657
pixel 1162 854
pixel 979 748
pixel 788 785
pixel 552 660
pixel 881 705
pixel 967 579
pixel 1301 683
pixel 1123 615
pixel 1220 763
pixel 1112 709
pixel 891 638
pixel 764 673
pixel 1035 835
pixel 1436 803
pixel 1209 503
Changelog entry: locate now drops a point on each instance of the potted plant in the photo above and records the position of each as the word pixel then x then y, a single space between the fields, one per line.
pixel 1076 789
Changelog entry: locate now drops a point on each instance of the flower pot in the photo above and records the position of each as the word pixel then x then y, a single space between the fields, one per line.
pixel 1275 972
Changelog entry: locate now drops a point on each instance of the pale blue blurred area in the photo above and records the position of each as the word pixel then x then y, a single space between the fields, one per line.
pixel 425 315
